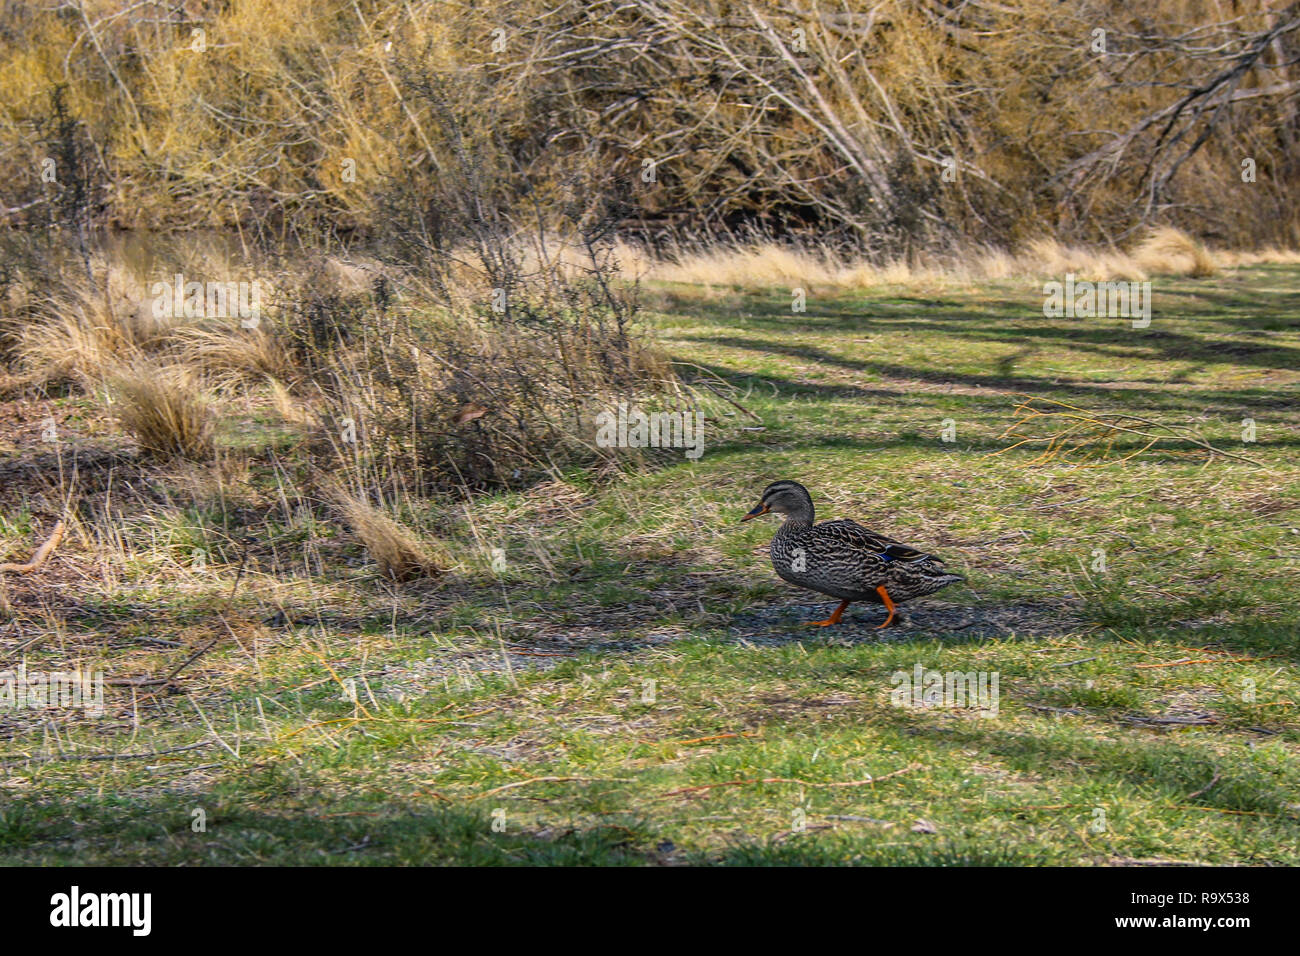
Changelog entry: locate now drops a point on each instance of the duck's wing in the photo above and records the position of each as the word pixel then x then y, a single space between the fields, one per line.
pixel 855 536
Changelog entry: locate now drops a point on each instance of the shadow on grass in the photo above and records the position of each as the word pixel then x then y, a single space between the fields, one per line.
pixel 1157 397
pixel 1019 320
pixel 1172 766
pixel 117 832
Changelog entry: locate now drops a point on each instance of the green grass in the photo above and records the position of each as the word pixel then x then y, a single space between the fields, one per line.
pixel 633 676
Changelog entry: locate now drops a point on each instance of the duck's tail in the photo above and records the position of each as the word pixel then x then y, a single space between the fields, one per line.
pixel 938 578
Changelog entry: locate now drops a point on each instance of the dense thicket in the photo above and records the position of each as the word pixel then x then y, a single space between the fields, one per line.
pixel 891 125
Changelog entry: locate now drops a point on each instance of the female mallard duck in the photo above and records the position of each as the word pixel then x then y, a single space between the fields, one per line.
pixel 842 558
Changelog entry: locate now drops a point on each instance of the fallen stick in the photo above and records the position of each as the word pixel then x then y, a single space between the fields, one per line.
pixel 1201 720
pixel 42 553
pixel 157 681
pixel 1213 781
pixel 191 659
pixel 730 402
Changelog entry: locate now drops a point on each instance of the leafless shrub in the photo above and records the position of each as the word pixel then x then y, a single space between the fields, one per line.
pixel 473 400
pixel 511 327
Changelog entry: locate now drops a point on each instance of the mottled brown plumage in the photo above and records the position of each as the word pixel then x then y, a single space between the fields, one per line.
pixel 843 559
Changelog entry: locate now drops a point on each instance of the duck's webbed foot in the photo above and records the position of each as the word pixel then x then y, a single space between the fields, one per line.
pixel 833 619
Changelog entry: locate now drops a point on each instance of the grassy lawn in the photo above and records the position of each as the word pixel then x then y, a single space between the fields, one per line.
pixel 628 682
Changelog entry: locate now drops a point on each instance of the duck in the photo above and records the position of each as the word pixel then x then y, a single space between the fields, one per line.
pixel 843 559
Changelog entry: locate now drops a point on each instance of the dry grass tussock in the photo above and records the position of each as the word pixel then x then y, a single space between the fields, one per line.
pixel 400 553
pixel 1163 251
pixel 231 356
pixel 443 389
pixel 163 408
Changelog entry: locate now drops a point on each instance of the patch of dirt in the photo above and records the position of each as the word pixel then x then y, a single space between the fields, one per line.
pixel 454 668
pixel 39 473
pixel 603 637
pixel 547 645
pixel 1265 506
pixel 21 424
pixel 86 445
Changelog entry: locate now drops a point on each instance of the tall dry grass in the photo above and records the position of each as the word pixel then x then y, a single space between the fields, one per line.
pixel 63 325
pixel 470 400
pixel 232 356
pixel 1163 251
pixel 74 327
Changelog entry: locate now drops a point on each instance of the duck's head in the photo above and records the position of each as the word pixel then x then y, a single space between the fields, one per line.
pixel 783 498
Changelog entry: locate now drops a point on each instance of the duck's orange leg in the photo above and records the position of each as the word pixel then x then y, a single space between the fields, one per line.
pixel 833 619
pixel 889 605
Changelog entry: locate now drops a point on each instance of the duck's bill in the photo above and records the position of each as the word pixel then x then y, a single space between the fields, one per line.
pixel 759 509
